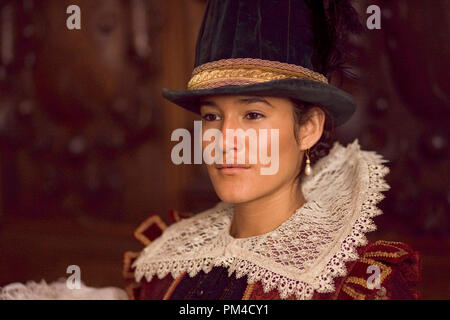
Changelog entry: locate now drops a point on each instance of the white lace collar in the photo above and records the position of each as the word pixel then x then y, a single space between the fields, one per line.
pixel 302 255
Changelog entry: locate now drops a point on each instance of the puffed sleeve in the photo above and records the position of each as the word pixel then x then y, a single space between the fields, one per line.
pixel 385 270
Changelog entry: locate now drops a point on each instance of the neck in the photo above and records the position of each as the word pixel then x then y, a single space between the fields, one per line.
pixel 265 214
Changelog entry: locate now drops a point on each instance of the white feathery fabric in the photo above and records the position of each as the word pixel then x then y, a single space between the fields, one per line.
pixel 58 290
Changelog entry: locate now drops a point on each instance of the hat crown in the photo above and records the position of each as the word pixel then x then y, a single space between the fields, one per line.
pixel 283 48
pixel 276 30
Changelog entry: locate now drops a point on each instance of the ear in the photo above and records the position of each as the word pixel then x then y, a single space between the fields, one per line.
pixel 311 128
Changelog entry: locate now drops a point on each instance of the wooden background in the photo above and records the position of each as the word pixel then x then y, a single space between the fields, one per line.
pixel 85 134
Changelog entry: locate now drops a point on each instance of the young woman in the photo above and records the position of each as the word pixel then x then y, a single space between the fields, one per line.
pixel 298 233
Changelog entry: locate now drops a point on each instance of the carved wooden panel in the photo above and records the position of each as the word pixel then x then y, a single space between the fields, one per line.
pixel 80 130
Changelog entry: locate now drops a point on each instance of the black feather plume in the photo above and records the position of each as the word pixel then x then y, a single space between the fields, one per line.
pixel 333 22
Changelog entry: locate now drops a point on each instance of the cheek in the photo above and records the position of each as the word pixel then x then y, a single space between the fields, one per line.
pixel 290 155
pixel 286 150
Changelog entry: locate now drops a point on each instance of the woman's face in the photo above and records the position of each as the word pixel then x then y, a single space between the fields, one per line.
pixel 244 182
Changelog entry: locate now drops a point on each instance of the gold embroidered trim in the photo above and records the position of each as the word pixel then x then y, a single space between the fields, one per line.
pixel 352 293
pixel 128 257
pixel 248 291
pixel 176 216
pixel 139 233
pixel 388 242
pixel 382 254
pixel 129 289
pixel 391 244
pixel 385 271
pixel 172 286
pixel 247 71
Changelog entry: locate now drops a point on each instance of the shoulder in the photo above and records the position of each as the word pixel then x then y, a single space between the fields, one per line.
pixel 385 270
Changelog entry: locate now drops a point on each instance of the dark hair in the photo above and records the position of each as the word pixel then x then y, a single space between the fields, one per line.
pixel 326 141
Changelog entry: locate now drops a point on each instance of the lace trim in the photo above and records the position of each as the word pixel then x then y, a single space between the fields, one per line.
pixel 301 256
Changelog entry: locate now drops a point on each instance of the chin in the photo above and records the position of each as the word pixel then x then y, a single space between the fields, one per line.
pixel 234 198
pixel 234 193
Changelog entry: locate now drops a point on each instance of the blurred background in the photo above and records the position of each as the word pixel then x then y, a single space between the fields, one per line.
pixel 85 134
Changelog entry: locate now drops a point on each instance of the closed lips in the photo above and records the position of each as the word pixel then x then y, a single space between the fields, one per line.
pixel 233 166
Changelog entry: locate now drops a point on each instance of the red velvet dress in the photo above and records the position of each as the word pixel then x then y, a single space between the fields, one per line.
pixel 400 273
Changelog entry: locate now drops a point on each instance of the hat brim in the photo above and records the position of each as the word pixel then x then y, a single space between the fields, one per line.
pixel 338 103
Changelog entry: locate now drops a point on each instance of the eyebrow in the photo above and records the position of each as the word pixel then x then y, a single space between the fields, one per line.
pixel 252 99
pixel 245 100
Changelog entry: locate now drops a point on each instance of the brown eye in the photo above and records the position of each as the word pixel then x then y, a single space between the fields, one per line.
pixel 254 115
pixel 211 117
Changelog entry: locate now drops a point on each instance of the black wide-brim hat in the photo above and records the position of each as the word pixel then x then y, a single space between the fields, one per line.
pixel 263 47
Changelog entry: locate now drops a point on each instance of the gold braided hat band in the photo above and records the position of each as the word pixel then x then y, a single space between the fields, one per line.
pixel 243 71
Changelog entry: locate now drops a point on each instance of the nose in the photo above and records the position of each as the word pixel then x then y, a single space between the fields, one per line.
pixel 229 133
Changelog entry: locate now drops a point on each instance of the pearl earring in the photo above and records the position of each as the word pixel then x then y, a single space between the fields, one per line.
pixel 308 170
